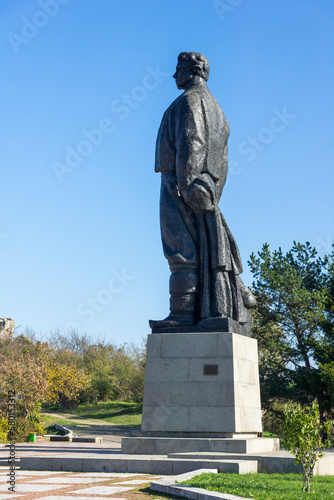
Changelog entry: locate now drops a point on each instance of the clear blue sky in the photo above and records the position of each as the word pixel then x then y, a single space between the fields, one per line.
pixel 75 227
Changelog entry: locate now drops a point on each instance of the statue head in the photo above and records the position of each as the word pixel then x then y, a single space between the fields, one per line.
pixel 191 67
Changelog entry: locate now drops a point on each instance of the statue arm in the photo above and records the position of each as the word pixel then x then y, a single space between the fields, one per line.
pixel 190 141
pixel 221 182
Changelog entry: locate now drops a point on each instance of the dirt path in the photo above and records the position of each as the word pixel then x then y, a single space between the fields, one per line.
pixel 89 427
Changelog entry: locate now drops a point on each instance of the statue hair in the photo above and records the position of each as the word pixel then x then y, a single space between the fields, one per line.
pixel 197 63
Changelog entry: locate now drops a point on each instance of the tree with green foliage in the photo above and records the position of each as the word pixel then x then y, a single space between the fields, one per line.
pixel 293 323
pixel 98 362
pixel 128 373
pixel 303 432
pixel 115 372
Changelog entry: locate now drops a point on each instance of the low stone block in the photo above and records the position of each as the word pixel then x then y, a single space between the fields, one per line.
pixel 279 465
pixel 77 439
pixel 94 465
pixel 227 466
pixel 248 466
pixel 116 465
pixel 182 466
pixel 161 467
pixel 41 463
pixel 61 438
pixel 139 465
pixel 139 446
pixel 71 464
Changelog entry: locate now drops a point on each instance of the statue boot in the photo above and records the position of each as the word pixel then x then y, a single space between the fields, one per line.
pixel 183 294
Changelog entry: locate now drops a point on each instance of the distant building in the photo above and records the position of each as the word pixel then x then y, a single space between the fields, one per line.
pixel 7 326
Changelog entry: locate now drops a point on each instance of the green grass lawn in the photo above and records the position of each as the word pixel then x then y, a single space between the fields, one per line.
pixel 267 434
pixel 114 412
pixel 266 486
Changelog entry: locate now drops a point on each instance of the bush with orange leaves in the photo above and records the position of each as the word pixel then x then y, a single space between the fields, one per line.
pixel 23 369
pixel 38 374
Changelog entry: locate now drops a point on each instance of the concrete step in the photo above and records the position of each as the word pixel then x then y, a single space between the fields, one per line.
pixel 280 461
pixel 138 464
pixel 166 445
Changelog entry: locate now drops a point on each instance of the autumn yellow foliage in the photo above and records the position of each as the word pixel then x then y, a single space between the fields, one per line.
pixel 38 374
pixel 66 380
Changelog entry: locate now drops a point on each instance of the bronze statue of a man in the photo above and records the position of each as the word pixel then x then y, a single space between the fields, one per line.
pixel 191 154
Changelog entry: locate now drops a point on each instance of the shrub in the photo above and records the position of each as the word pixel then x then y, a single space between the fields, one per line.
pixel 303 432
pixel 4 428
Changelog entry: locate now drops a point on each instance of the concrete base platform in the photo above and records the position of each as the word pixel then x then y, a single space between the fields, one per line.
pixel 166 445
pixel 138 464
pixel 176 463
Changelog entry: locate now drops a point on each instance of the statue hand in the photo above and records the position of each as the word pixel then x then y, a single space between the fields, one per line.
pixel 199 197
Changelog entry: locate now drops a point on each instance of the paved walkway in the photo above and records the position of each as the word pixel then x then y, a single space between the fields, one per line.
pixel 56 448
pixel 46 485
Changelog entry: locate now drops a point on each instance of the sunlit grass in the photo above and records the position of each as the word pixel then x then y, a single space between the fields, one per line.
pixel 266 486
pixel 114 412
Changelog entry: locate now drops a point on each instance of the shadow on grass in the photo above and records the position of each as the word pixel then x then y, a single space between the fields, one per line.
pixel 111 413
pixel 155 494
pixel 50 429
pixel 91 410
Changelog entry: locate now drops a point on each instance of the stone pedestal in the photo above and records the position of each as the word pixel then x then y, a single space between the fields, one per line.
pixel 201 394
pixel 202 385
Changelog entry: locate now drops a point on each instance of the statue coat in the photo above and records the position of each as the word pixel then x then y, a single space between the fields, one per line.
pixel 191 154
